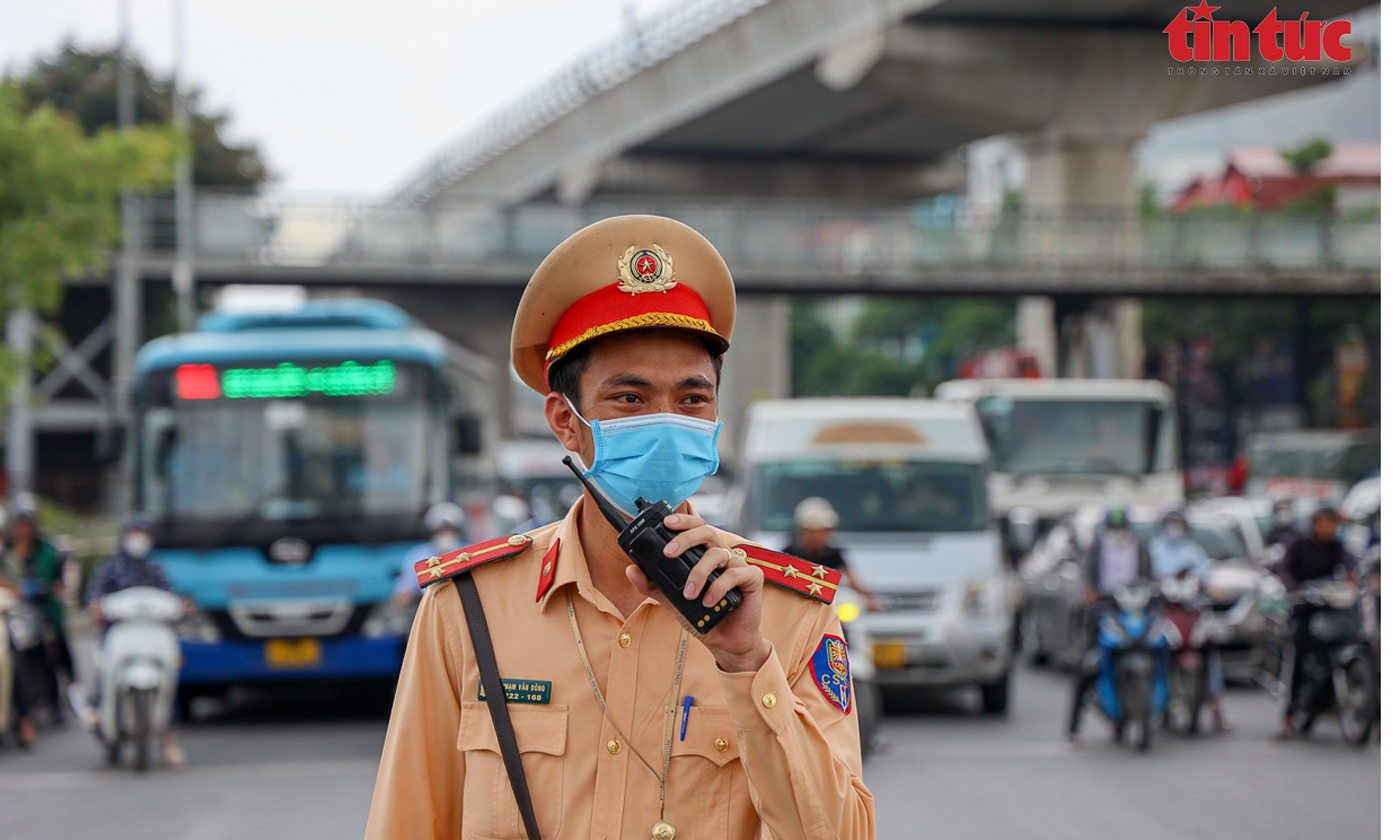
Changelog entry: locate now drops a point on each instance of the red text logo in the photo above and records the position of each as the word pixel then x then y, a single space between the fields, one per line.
pixel 1203 38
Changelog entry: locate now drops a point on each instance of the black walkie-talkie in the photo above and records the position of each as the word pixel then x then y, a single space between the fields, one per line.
pixel 644 539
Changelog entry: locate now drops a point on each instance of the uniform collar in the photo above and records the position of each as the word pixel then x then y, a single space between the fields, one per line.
pixel 570 565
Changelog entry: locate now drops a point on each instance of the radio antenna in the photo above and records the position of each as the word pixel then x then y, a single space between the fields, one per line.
pixel 615 516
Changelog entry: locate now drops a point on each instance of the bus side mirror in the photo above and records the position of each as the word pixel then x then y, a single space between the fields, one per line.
pixel 468 434
pixel 108 444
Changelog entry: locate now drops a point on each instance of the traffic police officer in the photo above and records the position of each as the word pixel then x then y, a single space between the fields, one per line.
pixel 628 724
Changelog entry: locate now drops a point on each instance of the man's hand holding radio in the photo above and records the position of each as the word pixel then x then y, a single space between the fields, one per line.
pixel 736 643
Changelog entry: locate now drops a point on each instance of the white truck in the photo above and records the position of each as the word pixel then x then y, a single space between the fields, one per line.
pixel 907 477
pixel 1061 444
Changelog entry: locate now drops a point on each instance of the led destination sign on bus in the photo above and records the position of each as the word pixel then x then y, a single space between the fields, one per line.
pixel 347 379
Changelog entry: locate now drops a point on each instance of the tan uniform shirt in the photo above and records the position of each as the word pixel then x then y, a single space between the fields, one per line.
pixel 765 753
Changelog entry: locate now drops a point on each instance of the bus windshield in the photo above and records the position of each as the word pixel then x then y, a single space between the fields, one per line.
pixel 882 495
pixel 1075 437
pixel 359 459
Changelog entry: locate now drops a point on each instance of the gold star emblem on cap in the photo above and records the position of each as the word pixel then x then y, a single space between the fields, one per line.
pixel 819 572
pixel 814 588
pixel 645 270
pixel 790 571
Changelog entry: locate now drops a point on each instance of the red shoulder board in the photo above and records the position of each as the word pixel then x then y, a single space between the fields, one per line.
pixel 453 563
pixel 793 573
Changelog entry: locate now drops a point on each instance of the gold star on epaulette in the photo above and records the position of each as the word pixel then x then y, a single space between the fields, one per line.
pixel 790 571
pixel 814 588
pixel 819 572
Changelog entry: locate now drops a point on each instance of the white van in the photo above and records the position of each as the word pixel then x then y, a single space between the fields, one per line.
pixel 908 478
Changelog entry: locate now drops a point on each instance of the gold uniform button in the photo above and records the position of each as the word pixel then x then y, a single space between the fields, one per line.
pixel 614 746
pixel 770 700
pixel 517 540
pixel 722 744
pixel 624 640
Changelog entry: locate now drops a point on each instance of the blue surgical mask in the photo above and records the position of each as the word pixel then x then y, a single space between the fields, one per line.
pixel 652 457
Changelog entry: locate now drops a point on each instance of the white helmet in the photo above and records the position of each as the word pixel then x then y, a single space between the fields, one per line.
pixel 442 516
pixel 815 513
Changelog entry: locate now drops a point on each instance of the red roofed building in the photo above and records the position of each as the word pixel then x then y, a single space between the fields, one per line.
pixel 1258 176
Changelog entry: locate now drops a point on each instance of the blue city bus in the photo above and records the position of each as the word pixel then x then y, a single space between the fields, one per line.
pixel 286 461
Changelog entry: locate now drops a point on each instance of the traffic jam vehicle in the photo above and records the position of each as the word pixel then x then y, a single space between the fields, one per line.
pixel 285 461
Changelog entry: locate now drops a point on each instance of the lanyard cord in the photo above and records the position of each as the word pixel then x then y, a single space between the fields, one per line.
pixel 670 715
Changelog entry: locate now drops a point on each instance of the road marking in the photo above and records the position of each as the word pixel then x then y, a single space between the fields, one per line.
pixel 29 782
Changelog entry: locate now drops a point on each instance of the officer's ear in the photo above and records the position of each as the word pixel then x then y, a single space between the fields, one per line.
pixel 566 426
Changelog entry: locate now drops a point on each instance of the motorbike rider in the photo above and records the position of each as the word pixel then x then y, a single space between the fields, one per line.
pixel 444 523
pixel 19 690
pixel 130 566
pixel 1283 526
pixel 816 520
pixel 1311 558
pixel 37 565
pixel 1116 558
pixel 1175 553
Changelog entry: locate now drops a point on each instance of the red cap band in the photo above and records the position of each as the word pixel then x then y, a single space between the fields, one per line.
pixel 610 309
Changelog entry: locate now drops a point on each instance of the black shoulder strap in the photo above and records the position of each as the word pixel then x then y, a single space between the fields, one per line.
pixel 496 699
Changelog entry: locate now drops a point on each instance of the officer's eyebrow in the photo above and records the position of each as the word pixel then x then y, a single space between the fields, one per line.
pixel 698 383
pixel 626 380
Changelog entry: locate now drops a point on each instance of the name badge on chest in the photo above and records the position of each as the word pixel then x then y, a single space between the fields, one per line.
pixel 520 691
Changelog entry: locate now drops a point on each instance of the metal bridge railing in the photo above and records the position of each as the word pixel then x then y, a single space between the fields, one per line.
pixel 641 44
pixel 772 238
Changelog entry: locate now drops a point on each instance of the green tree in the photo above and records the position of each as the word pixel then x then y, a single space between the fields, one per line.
pixel 84 85
pixel 1304 159
pixel 899 346
pixel 58 199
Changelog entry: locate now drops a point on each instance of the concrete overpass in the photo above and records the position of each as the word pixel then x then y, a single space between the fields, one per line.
pixel 853 99
pixel 870 100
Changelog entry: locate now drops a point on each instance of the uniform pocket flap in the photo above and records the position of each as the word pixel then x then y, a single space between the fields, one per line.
pixel 539 729
pixel 711 733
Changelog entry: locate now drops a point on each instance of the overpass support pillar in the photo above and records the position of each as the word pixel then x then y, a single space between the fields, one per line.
pixel 1076 188
pixel 757 367
pixel 19 418
pixel 1035 331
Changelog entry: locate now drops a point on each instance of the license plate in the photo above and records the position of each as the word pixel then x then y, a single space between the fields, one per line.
pixel 283 654
pixel 890 655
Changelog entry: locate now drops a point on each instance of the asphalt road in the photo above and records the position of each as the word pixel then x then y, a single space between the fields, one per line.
pixel 303 767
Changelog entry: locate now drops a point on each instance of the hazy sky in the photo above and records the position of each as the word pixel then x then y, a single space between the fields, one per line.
pixel 349 96
pixel 353 96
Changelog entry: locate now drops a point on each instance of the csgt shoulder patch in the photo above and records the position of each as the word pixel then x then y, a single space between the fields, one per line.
pixel 831 669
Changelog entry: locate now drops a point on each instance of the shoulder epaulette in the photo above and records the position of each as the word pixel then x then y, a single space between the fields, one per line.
pixel 793 573
pixel 454 563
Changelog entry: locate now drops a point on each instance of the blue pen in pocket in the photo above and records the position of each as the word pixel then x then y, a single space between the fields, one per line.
pixel 685 714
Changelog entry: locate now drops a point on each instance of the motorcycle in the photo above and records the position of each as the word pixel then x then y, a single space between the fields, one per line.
pixel 1339 672
pixel 1132 688
pixel 1190 631
pixel 138 666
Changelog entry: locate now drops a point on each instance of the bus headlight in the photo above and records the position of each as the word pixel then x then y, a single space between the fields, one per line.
pixel 197 626
pixel 388 619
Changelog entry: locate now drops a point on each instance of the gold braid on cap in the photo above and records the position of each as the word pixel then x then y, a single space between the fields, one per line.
pixel 649 319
